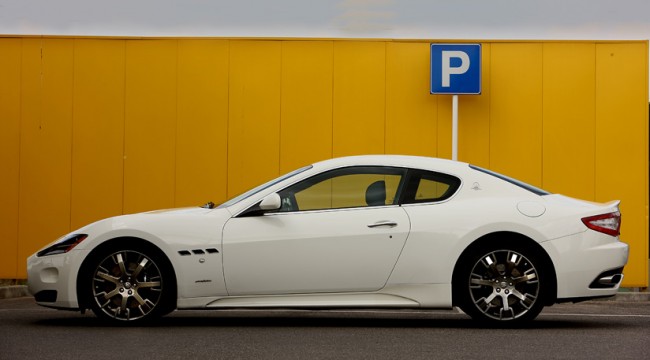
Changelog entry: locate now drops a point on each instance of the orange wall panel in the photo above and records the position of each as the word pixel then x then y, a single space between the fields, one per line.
pixel 621 145
pixel 150 125
pixel 202 126
pixel 516 115
pixel 569 112
pixel 306 104
pixel 10 65
pixel 45 143
pixel 97 131
pixel 411 112
pixel 253 114
pixel 359 97
pixel 444 132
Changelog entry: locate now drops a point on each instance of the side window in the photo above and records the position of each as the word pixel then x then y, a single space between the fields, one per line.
pixel 426 186
pixel 344 188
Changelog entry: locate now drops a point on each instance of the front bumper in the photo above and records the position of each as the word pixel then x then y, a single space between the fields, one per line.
pixel 52 280
pixel 583 260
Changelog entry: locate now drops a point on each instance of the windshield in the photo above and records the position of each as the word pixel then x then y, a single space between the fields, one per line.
pixel 519 183
pixel 254 191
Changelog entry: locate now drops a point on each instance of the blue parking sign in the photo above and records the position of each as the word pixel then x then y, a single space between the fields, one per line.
pixel 455 69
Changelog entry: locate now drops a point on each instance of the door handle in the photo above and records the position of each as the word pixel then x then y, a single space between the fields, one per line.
pixel 383 223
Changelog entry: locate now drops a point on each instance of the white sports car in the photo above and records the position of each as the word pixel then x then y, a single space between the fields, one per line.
pixel 366 231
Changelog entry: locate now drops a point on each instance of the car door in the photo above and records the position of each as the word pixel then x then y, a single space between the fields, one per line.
pixel 340 231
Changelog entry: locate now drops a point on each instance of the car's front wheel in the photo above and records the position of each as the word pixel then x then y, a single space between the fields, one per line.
pixel 130 284
pixel 502 284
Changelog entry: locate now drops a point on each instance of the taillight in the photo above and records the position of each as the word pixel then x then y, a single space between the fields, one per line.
pixel 609 224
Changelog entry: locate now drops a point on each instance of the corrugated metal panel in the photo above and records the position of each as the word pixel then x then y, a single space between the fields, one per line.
pixel 97 130
pixel 306 122
pixel 150 124
pixel 569 114
pixel 45 144
pixel 621 145
pixel 254 114
pixel 516 115
pixel 202 125
pixel 10 88
pixel 359 97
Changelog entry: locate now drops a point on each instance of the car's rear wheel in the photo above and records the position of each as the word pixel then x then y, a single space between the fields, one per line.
pixel 503 284
pixel 130 284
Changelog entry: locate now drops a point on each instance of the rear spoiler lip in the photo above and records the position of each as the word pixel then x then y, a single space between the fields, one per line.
pixel 614 204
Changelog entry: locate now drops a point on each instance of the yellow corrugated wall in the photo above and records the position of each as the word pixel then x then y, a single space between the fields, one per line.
pixel 95 127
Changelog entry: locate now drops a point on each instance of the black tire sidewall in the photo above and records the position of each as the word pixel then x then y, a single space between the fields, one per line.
pixel 165 304
pixel 473 256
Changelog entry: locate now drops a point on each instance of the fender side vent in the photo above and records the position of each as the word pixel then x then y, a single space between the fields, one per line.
pixel 198 252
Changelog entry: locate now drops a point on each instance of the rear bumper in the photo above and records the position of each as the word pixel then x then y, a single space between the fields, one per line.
pixel 588 265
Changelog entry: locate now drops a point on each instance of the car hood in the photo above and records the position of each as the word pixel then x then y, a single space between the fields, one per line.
pixel 180 211
pixel 172 226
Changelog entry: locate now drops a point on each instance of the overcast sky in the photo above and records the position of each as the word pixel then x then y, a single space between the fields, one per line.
pixel 428 19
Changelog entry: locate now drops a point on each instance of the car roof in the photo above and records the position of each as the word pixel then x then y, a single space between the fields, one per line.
pixel 408 161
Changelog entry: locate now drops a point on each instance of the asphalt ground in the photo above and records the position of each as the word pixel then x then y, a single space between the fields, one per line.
pixel 589 330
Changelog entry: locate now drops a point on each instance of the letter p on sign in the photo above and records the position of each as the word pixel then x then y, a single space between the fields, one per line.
pixel 455 69
pixel 448 70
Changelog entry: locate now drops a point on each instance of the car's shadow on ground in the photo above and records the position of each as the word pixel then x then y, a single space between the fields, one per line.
pixel 306 319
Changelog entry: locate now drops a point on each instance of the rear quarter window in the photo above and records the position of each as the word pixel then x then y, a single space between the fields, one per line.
pixel 427 186
pixel 521 184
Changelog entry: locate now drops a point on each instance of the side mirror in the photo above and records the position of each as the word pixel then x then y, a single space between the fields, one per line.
pixel 271 202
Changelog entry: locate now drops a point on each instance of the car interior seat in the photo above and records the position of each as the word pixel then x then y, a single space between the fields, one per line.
pixel 376 193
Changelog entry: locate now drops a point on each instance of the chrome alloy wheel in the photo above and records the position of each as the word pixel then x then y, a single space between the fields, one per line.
pixel 127 285
pixel 504 285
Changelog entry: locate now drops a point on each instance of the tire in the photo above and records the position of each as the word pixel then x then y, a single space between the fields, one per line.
pixel 502 284
pixel 129 283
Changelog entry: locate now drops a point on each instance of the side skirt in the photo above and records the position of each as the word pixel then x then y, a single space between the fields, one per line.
pixel 431 296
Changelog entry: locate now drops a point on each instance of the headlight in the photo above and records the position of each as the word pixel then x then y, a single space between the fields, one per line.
pixel 63 245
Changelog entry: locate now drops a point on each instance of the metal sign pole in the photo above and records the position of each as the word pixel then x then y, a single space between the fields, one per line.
pixel 454 128
pixel 455 70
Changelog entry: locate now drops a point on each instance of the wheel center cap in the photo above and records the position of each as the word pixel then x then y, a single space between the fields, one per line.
pixel 127 285
pixel 504 284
